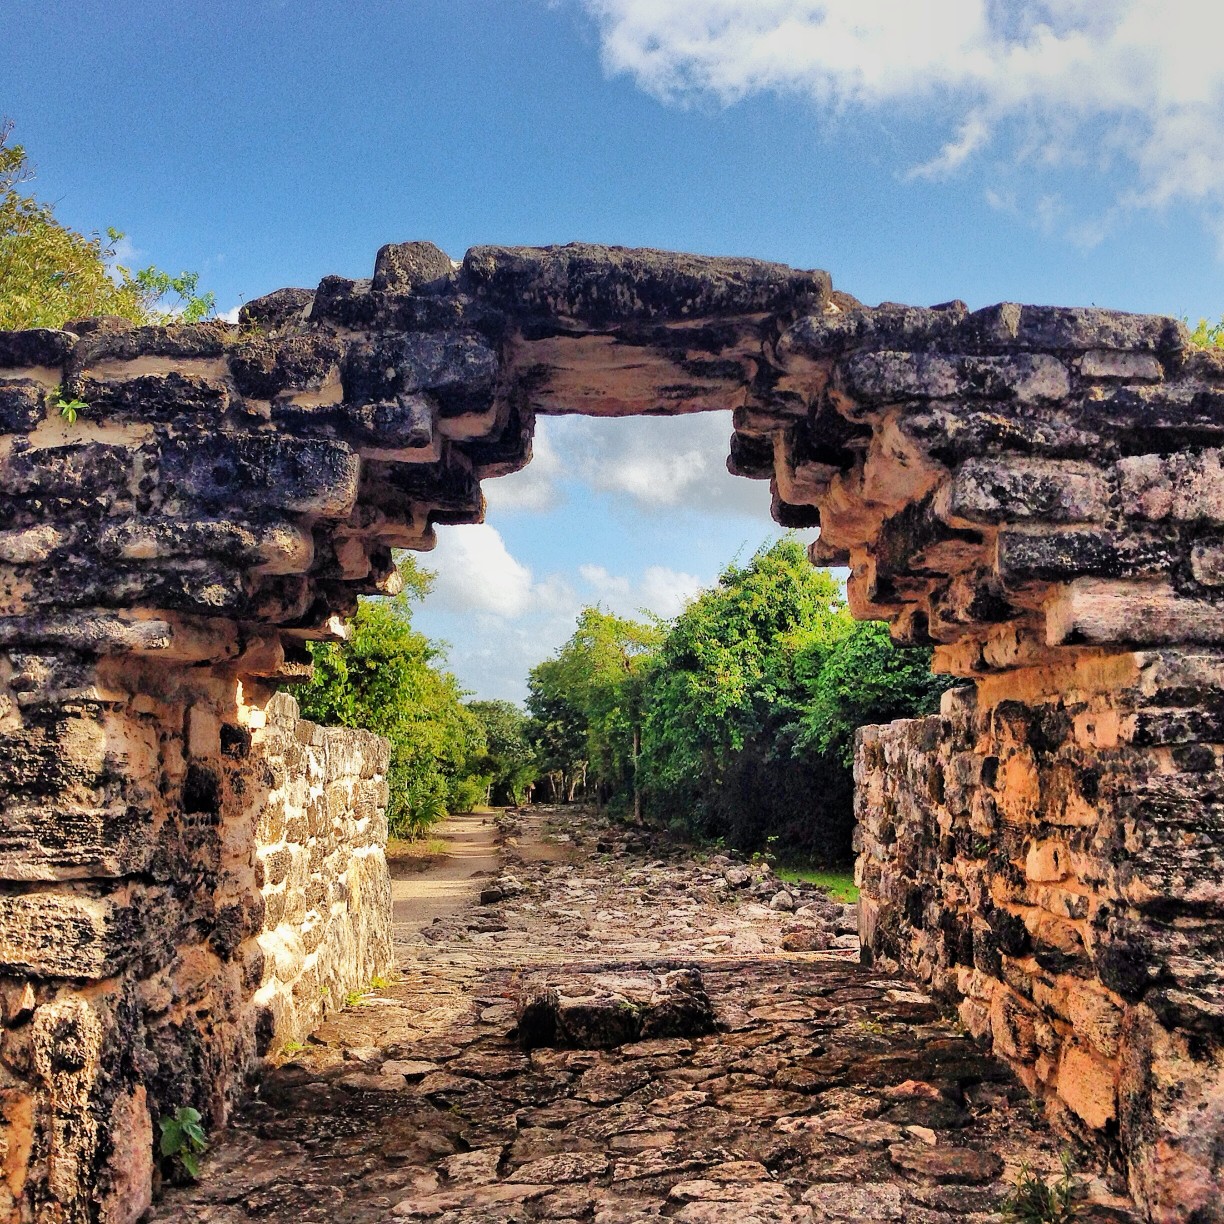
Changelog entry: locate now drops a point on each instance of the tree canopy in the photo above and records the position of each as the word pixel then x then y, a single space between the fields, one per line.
pixel 736 721
pixel 386 678
pixel 51 273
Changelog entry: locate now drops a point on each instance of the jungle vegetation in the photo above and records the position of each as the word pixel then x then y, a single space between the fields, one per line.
pixel 733 723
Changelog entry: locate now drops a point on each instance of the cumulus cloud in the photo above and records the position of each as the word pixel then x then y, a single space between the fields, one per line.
pixel 1048 83
pixel 499 619
pixel 660 590
pixel 476 573
pixel 654 462
pixel 535 487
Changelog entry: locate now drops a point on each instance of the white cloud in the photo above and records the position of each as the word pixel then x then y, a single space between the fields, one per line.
pixel 666 591
pixel 476 573
pixel 653 462
pixel 660 590
pixel 231 315
pixel 1051 83
pixel 533 488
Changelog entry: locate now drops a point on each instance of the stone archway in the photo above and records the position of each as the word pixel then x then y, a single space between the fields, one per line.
pixel 1034 490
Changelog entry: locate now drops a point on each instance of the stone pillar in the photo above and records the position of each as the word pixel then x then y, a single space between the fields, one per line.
pixel 191 876
pixel 128 922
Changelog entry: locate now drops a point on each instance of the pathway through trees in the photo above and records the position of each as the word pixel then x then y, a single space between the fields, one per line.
pixel 829 1091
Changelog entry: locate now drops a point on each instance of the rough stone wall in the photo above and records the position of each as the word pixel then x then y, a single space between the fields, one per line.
pixel 164 859
pixel 1054 866
pixel 1039 492
pixel 321 867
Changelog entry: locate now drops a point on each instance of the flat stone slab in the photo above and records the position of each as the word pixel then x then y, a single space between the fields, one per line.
pixel 594 1011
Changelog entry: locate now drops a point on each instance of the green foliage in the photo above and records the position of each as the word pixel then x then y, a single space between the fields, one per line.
pixel 509 761
pixel 183 1141
pixel 1207 335
pixel 50 273
pixel 735 723
pixel 1034 1201
pixel 587 704
pixel 557 729
pixel 718 749
pixel 386 678
pixel 863 679
pixel 68 408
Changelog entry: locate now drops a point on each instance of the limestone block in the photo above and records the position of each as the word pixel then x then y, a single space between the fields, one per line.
pixel 1088 1084
pixel 31 545
pixel 87 933
pixel 1184 487
pixel 167 396
pixel 22 404
pixel 264 367
pixel 1062 555
pixel 1047 861
pixel 303 476
pixel 1121 366
pixel 401 267
pixel 999 491
pixel 1142 612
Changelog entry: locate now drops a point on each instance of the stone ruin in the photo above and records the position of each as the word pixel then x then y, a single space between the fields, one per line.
pixel 191 875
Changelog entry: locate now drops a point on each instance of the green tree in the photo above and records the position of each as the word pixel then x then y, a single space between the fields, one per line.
pixel 509 760
pixel 753 701
pixel 50 273
pixel 557 730
pixel 600 675
pixel 722 701
pixel 863 679
pixel 386 678
pixel 1207 335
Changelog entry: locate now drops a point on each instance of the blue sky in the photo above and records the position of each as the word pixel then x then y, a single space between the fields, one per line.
pixel 1067 153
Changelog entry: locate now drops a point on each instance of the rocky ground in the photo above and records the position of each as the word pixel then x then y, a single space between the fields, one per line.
pixel 825 1091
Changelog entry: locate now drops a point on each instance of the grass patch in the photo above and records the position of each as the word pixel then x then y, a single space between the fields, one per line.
pixel 417 847
pixel 838 884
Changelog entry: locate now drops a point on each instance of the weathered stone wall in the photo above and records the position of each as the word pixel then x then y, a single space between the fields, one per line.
pixel 1055 866
pixel 166 852
pixel 1036 491
pixel 321 867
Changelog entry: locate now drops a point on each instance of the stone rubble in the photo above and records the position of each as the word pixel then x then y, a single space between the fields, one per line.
pixel 829 1092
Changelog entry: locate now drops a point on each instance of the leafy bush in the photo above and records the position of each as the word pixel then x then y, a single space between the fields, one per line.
pixel 50 273
pixel 863 678
pixel 386 678
pixel 1207 335
pixel 587 706
pixel 509 762
pixel 736 722
pixel 183 1141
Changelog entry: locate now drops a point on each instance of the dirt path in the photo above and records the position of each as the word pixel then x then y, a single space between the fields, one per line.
pixel 445 888
pixel 828 1092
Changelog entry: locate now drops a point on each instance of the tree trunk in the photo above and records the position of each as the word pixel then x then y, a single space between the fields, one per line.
pixel 637 794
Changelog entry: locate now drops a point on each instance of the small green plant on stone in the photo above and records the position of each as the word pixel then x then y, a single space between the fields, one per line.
pixel 1033 1200
pixel 1206 335
pixel 182 1140
pixel 354 998
pixel 68 408
pixel 378 982
pixel 292 1047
